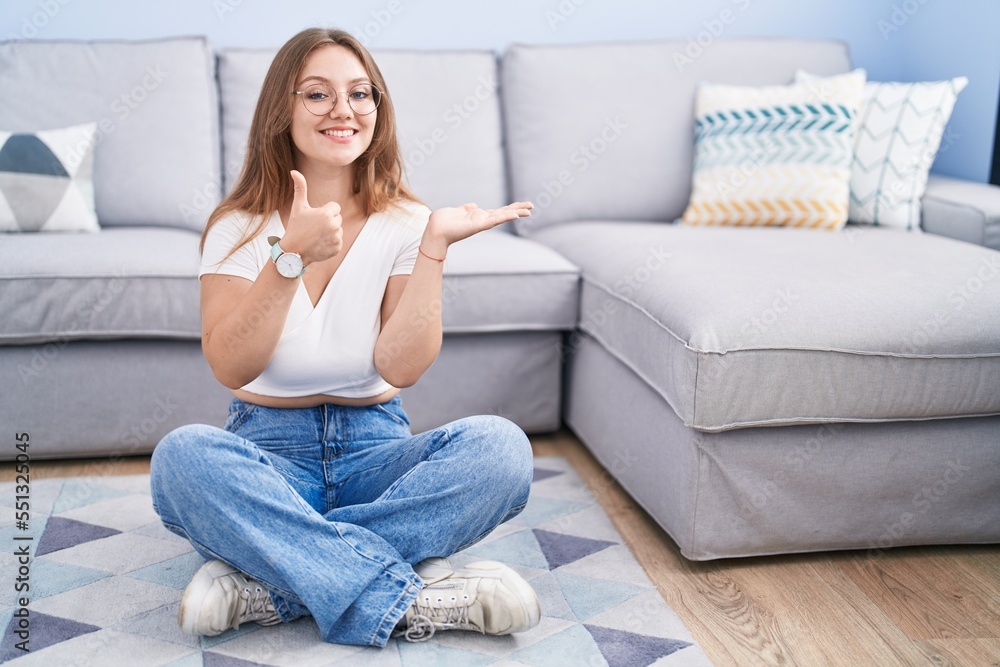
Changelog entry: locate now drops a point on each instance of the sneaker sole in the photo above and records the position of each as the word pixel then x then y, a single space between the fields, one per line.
pixel 194 596
pixel 515 582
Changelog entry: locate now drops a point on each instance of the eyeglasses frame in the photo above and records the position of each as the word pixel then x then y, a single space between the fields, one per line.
pixel 377 94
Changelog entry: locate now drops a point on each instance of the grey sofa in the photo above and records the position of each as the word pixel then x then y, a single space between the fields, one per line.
pixel 758 391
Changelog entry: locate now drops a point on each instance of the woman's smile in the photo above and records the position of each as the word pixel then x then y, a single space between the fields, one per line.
pixel 339 134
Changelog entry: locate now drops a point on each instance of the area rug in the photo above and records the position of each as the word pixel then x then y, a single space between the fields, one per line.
pixel 105 581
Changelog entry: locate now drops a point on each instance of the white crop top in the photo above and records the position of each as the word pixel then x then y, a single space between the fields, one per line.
pixel 328 349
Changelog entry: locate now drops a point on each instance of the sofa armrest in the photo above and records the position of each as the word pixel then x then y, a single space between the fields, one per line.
pixel 963 210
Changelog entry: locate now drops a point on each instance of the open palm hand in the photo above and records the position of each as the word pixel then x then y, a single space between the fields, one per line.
pixel 460 222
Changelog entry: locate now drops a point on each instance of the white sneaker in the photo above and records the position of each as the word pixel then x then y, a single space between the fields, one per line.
pixel 219 597
pixel 433 568
pixel 485 597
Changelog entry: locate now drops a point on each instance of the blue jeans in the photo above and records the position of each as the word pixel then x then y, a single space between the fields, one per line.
pixel 330 507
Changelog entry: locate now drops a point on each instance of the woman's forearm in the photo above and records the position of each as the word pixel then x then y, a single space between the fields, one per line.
pixel 411 340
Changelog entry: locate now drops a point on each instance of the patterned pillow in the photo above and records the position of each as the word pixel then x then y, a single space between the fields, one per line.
pixel 46 180
pixel 774 155
pixel 900 126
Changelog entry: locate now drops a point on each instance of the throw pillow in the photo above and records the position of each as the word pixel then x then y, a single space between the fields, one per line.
pixel 46 180
pixel 900 126
pixel 774 155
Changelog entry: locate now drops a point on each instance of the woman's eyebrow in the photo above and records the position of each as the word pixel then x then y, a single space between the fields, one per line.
pixel 363 79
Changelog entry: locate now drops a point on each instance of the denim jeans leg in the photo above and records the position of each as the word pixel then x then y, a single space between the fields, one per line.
pixel 440 491
pixel 435 493
pixel 222 493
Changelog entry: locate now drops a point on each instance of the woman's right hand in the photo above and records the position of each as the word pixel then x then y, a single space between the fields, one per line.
pixel 315 234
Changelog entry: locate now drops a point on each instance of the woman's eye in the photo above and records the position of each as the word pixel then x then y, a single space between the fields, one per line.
pixel 316 95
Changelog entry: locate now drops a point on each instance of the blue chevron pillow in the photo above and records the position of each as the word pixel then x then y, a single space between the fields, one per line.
pixel 900 130
pixel 774 155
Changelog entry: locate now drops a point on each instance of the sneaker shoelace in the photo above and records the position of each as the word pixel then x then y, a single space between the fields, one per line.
pixel 419 629
pixel 428 617
pixel 257 606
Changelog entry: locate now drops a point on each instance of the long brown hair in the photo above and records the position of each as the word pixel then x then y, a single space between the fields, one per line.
pixel 264 184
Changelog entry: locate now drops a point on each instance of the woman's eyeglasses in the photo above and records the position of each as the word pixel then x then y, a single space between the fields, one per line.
pixel 320 99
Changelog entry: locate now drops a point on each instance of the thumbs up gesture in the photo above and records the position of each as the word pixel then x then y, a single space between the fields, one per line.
pixel 316 233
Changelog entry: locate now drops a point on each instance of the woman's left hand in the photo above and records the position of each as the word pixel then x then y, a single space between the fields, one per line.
pixel 448 225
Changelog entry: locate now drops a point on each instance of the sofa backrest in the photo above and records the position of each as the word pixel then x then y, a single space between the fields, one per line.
pixel 447 119
pixel 607 131
pixel 156 157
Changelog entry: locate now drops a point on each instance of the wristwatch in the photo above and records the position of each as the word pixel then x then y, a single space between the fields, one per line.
pixel 289 264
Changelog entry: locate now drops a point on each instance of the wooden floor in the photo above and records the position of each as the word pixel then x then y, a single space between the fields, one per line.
pixel 916 606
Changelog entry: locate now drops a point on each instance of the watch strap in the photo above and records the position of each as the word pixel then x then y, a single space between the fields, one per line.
pixel 276 250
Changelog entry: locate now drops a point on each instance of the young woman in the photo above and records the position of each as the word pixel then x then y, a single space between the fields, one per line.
pixel 320 298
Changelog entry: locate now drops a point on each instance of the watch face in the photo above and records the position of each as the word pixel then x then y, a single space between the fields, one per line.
pixel 289 265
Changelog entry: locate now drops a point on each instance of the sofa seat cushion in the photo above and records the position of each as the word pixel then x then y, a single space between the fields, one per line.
pixel 122 282
pixel 495 281
pixel 141 282
pixel 745 327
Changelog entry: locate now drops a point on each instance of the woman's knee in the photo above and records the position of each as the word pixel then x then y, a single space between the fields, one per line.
pixel 504 445
pixel 184 452
pixel 177 446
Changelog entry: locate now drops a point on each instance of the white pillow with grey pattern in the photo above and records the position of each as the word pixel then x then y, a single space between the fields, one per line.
pixel 46 180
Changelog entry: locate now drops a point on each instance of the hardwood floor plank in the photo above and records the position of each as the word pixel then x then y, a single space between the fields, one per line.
pixel 806 613
pixel 851 627
pixel 752 627
pixel 963 604
pixel 962 652
pixel 48 468
pixel 984 559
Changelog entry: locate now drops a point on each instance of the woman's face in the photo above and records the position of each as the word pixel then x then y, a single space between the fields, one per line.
pixel 339 137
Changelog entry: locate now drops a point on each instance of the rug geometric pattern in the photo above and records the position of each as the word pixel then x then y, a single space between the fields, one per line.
pixel 106 580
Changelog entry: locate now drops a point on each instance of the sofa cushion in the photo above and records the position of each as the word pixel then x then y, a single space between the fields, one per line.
pixel 123 282
pixel 571 130
pixel 142 283
pixel 447 119
pixel 743 327
pixel 495 281
pixel 156 156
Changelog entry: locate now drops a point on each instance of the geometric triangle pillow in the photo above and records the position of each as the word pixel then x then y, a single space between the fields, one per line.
pixel 900 126
pixel 774 155
pixel 47 180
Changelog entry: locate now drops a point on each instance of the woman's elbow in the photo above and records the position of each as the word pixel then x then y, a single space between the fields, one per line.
pixel 230 380
pixel 396 372
pixel 399 378
pixel 226 370
pixel 229 377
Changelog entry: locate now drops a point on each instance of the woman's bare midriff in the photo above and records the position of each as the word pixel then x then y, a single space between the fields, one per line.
pixel 312 401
